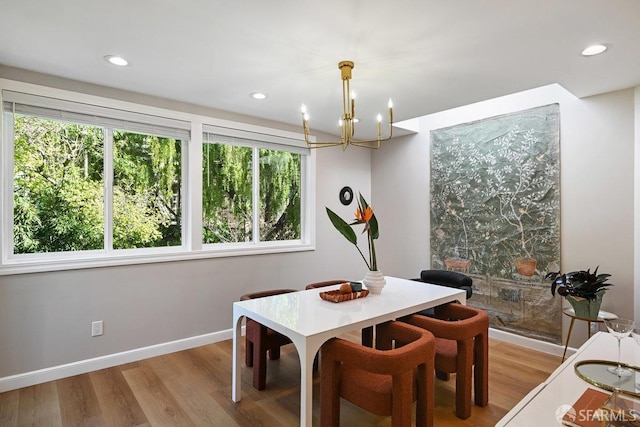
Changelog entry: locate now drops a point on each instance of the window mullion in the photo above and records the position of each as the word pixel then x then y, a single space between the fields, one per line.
pixel 6 222
pixel 192 189
pixel 256 195
pixel 108 190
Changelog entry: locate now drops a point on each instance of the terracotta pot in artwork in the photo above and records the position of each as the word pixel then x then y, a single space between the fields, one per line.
pixel 460 265
pixel 526 266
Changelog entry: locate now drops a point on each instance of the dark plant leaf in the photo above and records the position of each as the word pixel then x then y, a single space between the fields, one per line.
pixel 342 226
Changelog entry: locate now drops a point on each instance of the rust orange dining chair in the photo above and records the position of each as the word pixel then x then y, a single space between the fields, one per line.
pixel 462 335
pixel 385 380
pixel 259 340
pixel 367 333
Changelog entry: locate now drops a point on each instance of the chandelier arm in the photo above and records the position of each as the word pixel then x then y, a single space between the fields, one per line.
pixel 322 144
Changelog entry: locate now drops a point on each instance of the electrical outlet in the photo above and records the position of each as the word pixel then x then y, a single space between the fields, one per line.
pixel 96 328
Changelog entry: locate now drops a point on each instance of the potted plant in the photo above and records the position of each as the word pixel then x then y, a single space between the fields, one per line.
pixel 583 290
pixel 374 280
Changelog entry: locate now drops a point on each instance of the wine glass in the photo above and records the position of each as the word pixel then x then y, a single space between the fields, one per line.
pixel 619 328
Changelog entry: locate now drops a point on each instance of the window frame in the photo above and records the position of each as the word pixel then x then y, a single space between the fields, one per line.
pixel 192 246
pixel 234 137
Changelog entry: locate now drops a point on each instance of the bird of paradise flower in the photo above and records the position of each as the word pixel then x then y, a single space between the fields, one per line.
pixel 363 215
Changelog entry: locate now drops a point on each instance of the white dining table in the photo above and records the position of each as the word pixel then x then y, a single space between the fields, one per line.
pixel 310 321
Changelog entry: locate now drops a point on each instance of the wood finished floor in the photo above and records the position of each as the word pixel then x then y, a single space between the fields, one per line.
pixel 193 388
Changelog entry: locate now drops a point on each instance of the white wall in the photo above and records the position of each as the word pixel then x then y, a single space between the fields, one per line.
pixel 597 188
pixel 45 318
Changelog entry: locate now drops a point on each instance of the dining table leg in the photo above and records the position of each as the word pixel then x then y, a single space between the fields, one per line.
pixel 307 349
pixel 236 380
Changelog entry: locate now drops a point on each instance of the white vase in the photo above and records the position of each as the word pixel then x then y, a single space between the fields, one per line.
pixel 374 281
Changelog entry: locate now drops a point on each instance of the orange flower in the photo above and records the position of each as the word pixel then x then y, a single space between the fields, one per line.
pixel 366 216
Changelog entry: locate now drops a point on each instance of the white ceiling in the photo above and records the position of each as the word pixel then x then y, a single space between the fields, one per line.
pixel 426 55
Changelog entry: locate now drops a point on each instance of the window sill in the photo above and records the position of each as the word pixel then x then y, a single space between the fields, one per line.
pixel 23 266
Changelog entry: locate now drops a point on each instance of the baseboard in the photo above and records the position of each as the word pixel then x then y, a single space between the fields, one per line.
pixel 83 366
pixel 531 343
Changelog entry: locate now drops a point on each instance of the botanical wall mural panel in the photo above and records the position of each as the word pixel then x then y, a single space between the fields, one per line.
pixel 495 214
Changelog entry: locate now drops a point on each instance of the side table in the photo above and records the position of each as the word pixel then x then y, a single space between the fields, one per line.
pixel 568 311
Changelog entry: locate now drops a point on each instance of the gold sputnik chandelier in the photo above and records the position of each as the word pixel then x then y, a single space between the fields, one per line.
pixel 348 120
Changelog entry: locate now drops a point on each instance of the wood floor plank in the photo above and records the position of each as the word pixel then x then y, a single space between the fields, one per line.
pixel 190 380
pixel 9 408
pixel 78 402
pixel 39 406
pixel 157 402
pixel 119 405
pixel 193 387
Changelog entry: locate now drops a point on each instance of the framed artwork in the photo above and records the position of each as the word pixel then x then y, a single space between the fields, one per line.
pixel 495 215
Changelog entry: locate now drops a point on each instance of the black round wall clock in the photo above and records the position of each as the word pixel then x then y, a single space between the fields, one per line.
pixel 346 196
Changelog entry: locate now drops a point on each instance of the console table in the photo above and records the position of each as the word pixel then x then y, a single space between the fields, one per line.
pixel 564 387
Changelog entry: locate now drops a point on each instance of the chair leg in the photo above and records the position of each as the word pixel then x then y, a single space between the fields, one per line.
pixel 367 336
pixel 424 398
pixel 444 376
pixel 463 379
pixel 274 353
pixel 401 400
pixel 481 370
pixel 260 360
pixel 248 353
pixel 329 393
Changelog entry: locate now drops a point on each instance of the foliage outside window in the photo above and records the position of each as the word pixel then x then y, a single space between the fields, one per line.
pixel 227 189
pixel 59 188
pixel 229 200
pixel 147 191
pixel 279 195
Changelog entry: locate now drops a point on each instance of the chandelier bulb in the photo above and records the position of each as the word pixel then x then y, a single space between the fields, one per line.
pixel 303 109
pixel 379 118
pixel 390 103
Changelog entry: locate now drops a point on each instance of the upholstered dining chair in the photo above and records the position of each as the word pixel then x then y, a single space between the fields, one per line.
pixel 451 279
pixel 385 380
pixel 259 340
pixel 367 333
pixel 462 335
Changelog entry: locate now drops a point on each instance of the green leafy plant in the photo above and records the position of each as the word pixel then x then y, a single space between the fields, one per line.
pixel 364 215
pixel 583 284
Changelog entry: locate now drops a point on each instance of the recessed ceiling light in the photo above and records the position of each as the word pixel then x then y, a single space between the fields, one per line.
pixel 594 50
pixel 258 95
pixel 116 60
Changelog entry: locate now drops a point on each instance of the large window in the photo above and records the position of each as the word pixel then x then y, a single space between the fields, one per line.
pixel 86 182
